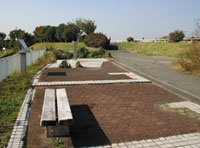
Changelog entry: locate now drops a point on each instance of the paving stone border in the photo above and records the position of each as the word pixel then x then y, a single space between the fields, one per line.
pixel 18 135
pixel 95 82
pixel 179 141
pixel 134 79
pixel 37 75
pixel 185 104
pixel 131 75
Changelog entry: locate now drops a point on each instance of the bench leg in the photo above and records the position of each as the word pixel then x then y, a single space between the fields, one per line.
pixel 57 131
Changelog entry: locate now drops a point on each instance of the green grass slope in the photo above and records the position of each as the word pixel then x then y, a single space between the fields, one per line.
pixel 12 93
pixel 8 53
pixel 57 46
pixel 157 49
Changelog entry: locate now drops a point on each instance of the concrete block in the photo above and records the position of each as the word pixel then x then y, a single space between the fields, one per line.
pixel 57 131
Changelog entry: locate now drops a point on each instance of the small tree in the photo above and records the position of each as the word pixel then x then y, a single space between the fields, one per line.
pixel 130 39
pixel 87 26
pixel 176 36
pixel 59 32
pixel 21 34
pixel 197 29
pixel 164 37
pixel 71 32
pixel 50 33
pixel 2 36
pixel 17 33
pixel 38 33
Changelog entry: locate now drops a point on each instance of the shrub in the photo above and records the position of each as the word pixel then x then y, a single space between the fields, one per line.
pixel 82 52
pixel 191 63
pixel 100 53
pixel 66 55
pixel 81 38
pixel 176 36
pixel 130 39
pixel 97 40
pixel 60 54
pixel 114 46
pixel 108 55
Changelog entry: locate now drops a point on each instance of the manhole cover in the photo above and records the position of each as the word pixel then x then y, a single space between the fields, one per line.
pixel 56 74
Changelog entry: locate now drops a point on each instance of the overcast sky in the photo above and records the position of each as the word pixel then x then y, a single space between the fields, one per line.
pixel 116 18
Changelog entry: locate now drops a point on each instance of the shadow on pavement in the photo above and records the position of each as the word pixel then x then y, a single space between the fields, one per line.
pixel 86 131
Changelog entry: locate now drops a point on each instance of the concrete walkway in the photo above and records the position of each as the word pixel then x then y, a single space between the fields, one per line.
pixel 160 71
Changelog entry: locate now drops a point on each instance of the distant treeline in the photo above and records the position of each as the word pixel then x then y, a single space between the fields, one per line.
pixel 62 33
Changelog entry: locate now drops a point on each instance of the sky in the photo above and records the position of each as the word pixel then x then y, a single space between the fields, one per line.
pixel 117 19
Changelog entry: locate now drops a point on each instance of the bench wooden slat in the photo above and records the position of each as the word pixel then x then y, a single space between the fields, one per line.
pixel 64 111
pixel 49 108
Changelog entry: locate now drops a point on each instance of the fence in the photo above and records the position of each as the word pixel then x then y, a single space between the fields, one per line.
pixel 12 64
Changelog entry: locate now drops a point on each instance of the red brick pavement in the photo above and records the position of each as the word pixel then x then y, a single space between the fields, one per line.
pixel 124 112
pixel 110 112
pixel 81 74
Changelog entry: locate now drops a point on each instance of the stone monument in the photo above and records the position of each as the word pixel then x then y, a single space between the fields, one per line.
pixel 74 63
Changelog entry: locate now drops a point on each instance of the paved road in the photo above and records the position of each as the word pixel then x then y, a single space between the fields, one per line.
pixel 159 71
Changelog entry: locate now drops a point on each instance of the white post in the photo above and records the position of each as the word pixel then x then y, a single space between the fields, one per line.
pixel 75 51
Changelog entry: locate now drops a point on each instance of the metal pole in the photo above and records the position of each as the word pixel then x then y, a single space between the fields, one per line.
pixel 23 62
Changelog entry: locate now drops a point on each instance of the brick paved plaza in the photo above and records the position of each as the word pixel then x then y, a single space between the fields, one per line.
pixel 107 114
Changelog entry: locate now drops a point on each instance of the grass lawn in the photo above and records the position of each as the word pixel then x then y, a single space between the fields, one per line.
pixel 41 46
pixel 12 93
pixel 57 46
pixel 157 49
pixel 7 53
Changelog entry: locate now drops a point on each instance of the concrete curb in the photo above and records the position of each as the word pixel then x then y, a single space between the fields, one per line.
pixel 94 82
pixel 18 135
pixel 181 141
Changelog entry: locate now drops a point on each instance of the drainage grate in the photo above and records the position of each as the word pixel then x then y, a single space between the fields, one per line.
pixel 56 74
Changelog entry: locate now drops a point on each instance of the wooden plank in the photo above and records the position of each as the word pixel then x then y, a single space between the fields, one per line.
pixel 64 111
pixel 49 108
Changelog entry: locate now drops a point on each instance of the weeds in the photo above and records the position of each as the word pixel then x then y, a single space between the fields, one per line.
pixel 157 49
pixel 100 53
pixel 8 53
pixel 191 64
pixel 81 53
pixel 12 93
pixel 58 143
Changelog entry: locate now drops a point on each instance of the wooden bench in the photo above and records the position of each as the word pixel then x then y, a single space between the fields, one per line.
pixel 56 113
